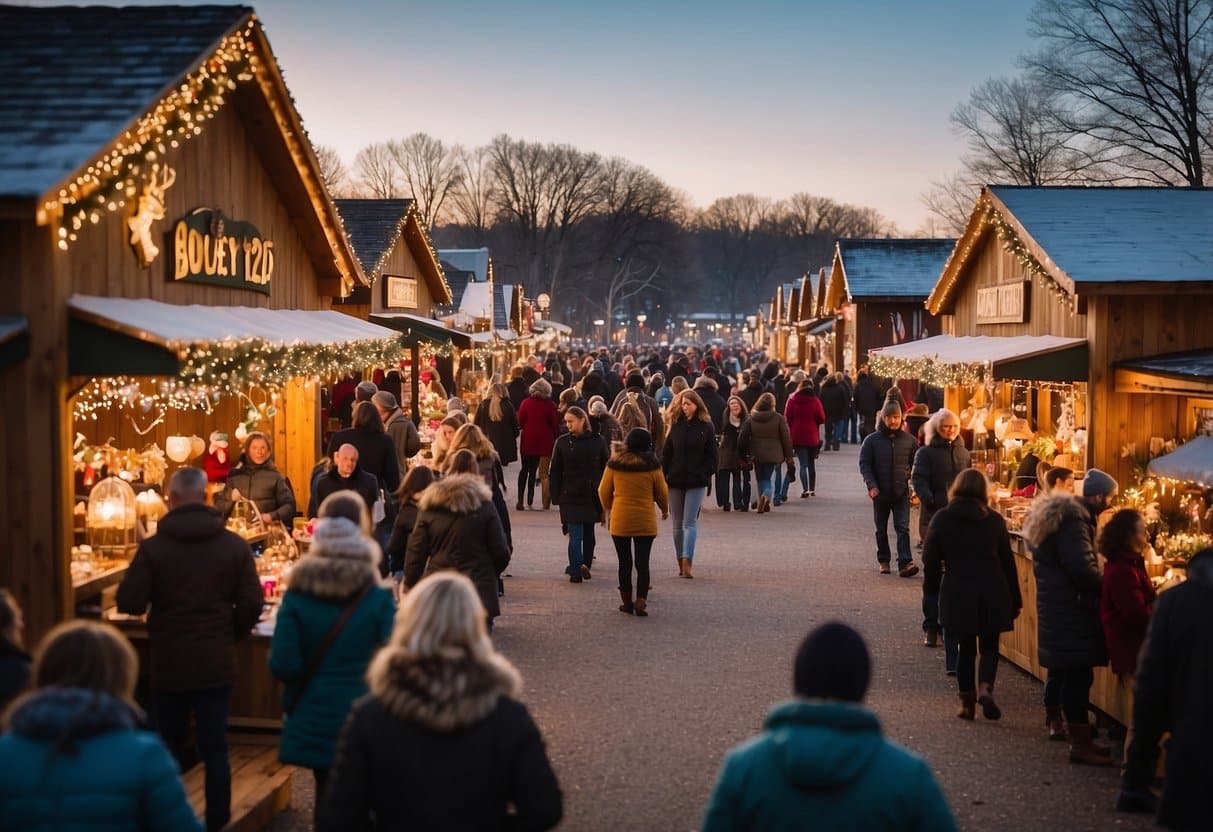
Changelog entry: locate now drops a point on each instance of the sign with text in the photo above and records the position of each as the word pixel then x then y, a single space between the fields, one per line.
pixel 1006 303
pixel 399 292
pixel 212 249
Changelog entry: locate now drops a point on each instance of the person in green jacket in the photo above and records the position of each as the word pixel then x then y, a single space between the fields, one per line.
pixel 821 761
pixel 340 569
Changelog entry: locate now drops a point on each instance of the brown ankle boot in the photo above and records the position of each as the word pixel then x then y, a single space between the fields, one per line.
pixel 968 706
pixel 985 696
pixel 1083 750
pixel 642 605
pixel 625 595
pixel 1057 726
pixel 686 569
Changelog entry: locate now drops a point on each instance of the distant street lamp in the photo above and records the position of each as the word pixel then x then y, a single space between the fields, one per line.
pixel 599 323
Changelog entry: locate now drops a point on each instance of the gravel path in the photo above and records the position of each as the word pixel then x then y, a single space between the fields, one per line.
pixel 637 712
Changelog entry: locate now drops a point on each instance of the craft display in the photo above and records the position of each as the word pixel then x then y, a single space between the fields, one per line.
pixel 245 520
pixel 218 462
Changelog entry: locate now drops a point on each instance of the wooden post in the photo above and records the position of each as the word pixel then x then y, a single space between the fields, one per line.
pixel 415 383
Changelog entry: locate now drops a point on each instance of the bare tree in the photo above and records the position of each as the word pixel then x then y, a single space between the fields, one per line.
pixel 378 173
pixel 949 202
pixel 430 170
pixel 740 250
pixel 1139 74
pixel 333 171
pixel 473 194
pixel 1016 133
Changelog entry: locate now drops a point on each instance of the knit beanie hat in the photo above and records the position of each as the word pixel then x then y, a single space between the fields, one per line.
pixel 635 379
pixel 339 537
pixel 891 408
pixel 1097 482
pixel 832 663
pixel 639 441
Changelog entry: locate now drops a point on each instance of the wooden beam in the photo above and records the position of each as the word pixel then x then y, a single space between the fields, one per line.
pixel 1134 381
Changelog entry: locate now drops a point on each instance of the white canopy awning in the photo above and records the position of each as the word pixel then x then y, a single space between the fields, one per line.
pixel 180 327
pixel 1037 357
pixel 548 323
pixel 1190 462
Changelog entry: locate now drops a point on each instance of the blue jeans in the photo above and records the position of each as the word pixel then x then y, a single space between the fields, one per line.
pixel 581 546
pixel 684 508
pixel 806 455
pixel 853 421
pixel 171 713
pixel 763 472
pixel 899 508
pixel 782 481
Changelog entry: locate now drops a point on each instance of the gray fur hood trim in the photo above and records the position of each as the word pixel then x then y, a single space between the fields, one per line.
pixel 340 563
pixel 1048 513
pixel 704 381
pixel 442 693
pixel 456 493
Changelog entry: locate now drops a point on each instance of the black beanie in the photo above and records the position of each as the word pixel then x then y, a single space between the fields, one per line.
pixel 638 441
pixel 832 663
pixel 635 379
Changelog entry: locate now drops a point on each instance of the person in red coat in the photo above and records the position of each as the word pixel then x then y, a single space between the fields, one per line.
pixel 539 425
pixel 805 416
pixel 1127 598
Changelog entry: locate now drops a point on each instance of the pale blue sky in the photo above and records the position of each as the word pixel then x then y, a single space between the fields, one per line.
pixel 847 100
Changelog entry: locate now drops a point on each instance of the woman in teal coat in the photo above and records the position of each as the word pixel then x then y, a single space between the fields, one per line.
pixel 340 569
pixel 75 753
pixel 822 762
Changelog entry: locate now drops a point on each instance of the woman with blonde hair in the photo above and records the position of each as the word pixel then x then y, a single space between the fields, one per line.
pixel 75 752
pixel 498 420
pixel 445 435
pixel 444 708
pixel 688 461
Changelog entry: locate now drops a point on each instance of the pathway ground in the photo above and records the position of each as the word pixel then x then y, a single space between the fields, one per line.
pixel 638 712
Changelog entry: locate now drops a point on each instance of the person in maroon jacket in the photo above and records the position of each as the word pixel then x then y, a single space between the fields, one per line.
pixel 539 425
pixel 805 416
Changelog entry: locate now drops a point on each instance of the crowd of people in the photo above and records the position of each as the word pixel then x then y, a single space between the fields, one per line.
pixel 383 638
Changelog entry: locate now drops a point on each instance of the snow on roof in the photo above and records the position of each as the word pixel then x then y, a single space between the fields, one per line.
pixel 905 268
pixel 1190 462
pixel 478 300
pixel 180 327
pixel 977 349
pixel 73 78
pixel 1112 235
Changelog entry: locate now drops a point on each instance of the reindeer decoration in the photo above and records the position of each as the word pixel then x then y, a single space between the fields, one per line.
pixel 150 208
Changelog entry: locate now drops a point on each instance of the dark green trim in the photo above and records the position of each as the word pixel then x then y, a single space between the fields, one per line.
pixel 94 350
pixel 14 340
pixel 419 332
pixel 1067 364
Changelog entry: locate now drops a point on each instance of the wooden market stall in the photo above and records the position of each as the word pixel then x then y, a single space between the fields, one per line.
pixel 174 256
pixel 1061 305
pixel 875 293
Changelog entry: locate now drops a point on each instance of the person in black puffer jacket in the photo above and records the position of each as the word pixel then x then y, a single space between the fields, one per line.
pixel 837 404
pixel 709 391
pixel 688 461
pixel 255 478
pixel 884 461
pixel 444 709
pixel 866 398
pixel 1060 528
pixel 935 467
pixel 578 460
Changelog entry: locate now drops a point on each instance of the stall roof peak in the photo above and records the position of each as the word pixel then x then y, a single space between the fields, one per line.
pixel 375 227
pixel 875 267
pixel 74 77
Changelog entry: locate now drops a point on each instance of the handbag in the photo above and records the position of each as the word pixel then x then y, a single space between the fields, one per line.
pixel 331 636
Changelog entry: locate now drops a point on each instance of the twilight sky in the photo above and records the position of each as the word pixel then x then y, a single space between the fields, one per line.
pixel 842 99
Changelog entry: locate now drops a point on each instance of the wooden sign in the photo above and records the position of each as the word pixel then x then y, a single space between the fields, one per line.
pixel 1006 303
pixel 212 249
pixel 399 292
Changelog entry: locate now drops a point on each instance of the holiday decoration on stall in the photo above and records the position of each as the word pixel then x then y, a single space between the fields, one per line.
pixel 217 462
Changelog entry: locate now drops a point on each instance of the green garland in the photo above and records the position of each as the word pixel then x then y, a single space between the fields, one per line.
pixel 229 366
pixel 929 370
pixel 1017 249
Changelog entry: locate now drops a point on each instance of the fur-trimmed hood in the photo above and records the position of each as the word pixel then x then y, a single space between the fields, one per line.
pixel 1049 512
pixel 704 381
pixel 456 493
pixel 442 693
pixel 631 461
pixel 340 563
pixel 65 716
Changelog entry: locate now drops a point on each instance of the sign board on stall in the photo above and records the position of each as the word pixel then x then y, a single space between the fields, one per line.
pixel 213 249
pixel 399 292
pixel 1006 303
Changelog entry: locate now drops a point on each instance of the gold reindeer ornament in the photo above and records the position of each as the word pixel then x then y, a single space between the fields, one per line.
pixel 150 207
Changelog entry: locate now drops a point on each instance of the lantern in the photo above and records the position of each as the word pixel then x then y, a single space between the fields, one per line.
pixel 178 448
pixel 150 507
pixel 245 520
pixel 112 518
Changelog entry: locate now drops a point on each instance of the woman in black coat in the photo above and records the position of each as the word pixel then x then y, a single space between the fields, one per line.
pixel 578 460
pixel 441 741
pixel 970 567
pixel 255 478
pixel 688 460
pixel 417 480
pixel 498 420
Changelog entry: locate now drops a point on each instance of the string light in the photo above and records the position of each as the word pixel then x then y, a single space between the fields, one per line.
pixel 413 214
pixel 929 371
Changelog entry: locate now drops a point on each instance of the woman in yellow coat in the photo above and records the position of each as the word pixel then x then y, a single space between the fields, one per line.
pixel 631 484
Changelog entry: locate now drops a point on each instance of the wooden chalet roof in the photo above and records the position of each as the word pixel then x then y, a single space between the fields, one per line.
pixel 1093 239
pixel 457 279
pixel 376 226
pixel 87 93
pixel 475 260
pixel 885 268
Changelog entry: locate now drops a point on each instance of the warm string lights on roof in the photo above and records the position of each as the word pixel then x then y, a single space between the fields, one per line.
pixel 377 271
pixel 929 371
pixel 230 366
pixel 108 183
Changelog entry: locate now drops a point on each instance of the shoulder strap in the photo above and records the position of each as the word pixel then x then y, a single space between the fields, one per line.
pixel 331 636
